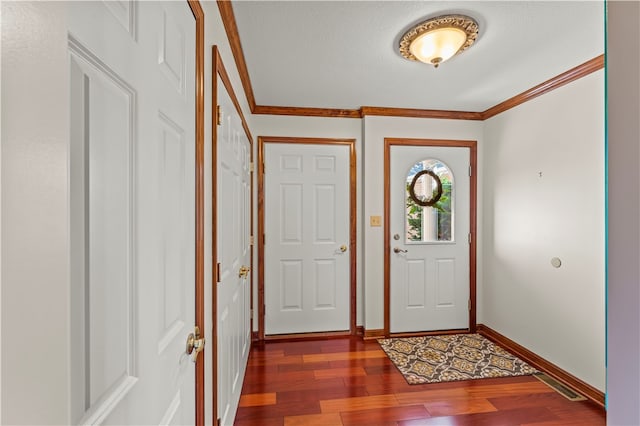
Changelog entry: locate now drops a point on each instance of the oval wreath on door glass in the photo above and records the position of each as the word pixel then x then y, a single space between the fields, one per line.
pixel 436 196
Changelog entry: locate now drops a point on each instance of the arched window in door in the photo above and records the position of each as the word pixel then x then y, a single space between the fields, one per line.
pixel 429 202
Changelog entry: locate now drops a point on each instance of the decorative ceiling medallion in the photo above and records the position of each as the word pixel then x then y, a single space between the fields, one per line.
pixel 438 39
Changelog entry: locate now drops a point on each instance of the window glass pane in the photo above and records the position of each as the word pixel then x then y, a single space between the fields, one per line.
pixel 429 202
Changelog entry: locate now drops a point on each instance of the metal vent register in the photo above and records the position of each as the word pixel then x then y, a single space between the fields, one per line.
pixel 559 387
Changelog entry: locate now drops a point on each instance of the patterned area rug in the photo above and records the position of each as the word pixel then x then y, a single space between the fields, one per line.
pixel 432 359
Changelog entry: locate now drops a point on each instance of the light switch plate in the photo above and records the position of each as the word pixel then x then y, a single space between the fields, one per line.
pixel 375 220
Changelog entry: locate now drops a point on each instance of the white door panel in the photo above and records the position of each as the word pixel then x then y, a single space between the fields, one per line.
pixel 132 165
pixel 234 252
pixel 429 265
pixel 307 274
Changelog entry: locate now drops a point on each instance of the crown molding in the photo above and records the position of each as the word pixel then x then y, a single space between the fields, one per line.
pixel 364 111
pixel 229 21
pixel 566 77
pixel 420 113
pixel 306 112
pixel 231 28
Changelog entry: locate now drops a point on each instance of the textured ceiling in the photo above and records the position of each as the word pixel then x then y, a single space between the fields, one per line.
pixel 343 54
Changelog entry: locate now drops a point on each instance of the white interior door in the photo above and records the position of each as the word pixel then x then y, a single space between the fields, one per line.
pixel 429 257
pixel 234 256
pixel 306 259
pixel 132 166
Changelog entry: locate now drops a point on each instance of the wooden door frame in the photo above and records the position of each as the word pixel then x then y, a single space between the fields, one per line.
pixel 351 143
pixel 198 14
pixel 220 71
pixel 473 194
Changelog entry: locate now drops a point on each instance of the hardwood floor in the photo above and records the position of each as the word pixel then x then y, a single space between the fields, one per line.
pixel 348 381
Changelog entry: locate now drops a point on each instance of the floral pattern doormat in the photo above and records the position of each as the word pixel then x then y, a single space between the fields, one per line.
pixel 432 359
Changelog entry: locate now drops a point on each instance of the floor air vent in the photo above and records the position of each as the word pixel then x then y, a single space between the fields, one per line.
pixel 559 387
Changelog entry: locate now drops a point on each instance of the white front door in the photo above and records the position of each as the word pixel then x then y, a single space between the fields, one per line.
pixel 234 255
pixel 132 178
pixel 307 238
pixel 429 238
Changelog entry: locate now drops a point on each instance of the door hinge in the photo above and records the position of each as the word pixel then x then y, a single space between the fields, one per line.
pixel 469 304
pixel 470 171
pixel 264 239
pixel 218 422
pixel 469 237
pixel 251 314
pixel 251 240
pixel 219 115
pixel 218 272
pixel 251 167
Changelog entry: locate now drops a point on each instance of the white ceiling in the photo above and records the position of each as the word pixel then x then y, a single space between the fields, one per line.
pixel 344 54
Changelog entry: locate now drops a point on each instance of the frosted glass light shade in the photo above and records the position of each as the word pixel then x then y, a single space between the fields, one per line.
pixel 435 47
pixel 438 39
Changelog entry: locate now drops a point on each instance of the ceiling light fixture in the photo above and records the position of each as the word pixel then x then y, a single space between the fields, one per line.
pixel 438 39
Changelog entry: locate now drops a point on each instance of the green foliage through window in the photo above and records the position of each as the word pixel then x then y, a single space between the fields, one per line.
pixel 441 225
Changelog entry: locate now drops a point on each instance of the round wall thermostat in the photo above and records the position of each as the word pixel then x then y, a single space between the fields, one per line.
pixel 556 262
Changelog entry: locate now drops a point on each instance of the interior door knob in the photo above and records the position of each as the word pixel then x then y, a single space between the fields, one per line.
pixel 195 344
pixel 244 271
pixel 343 248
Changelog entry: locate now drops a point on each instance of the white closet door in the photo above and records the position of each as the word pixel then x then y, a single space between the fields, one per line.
pixel 307 229
pixel 132 165
pixel 234 255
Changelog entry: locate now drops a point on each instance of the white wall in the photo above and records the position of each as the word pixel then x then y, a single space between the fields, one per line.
pixel 35 213
pixel 529 219
pixel 623 289
pixel 317 127
pixel 376 129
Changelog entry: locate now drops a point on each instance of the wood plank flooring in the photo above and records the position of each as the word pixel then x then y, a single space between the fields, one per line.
pixel 348 381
